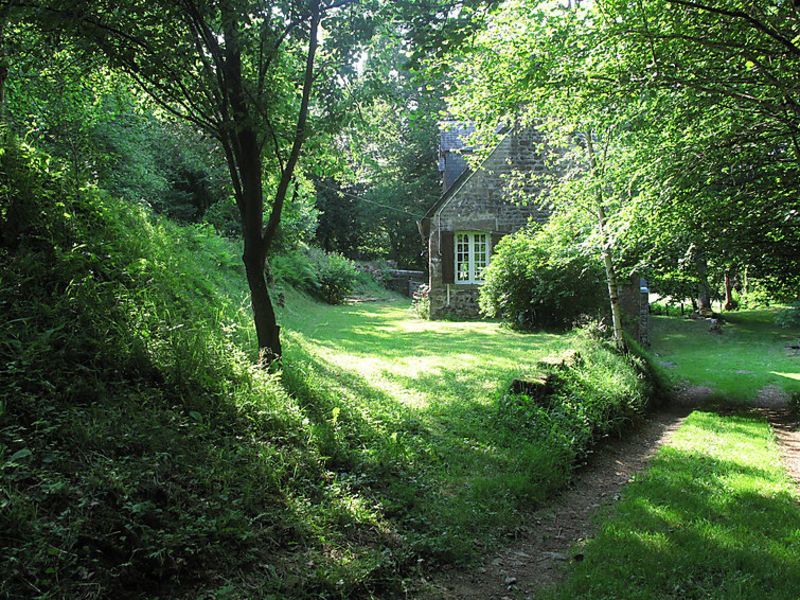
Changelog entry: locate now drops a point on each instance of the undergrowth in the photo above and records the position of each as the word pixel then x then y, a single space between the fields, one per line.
pixel 593 396
pixel 143 456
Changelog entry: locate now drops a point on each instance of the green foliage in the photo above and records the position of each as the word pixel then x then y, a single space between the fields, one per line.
pixel 595 397
pixel 165 164
pixel 421 301
pixel 139 447
pixel 390 151
pixel 108 131
pixel 653 94
pixel 756 296
pixel 788 318
pixel 530 286
pixel 328 276
pixel 336 277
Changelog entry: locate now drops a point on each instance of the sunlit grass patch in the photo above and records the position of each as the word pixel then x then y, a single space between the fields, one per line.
pixel 748 356
pixel 422 400
pixel 715 516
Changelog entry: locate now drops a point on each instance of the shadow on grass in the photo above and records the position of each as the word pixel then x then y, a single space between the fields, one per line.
pixel 713 517
pixel 442 473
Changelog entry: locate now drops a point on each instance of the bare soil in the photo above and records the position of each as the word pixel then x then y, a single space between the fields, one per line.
pixel 536 554
pixel 535 557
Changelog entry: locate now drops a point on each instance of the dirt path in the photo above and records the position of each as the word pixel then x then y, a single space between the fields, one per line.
pixel 535 557
pixel 774 404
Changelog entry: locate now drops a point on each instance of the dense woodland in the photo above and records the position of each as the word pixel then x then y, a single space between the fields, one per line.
pixel 181 182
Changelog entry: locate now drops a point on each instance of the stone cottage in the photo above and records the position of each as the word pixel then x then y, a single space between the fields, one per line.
pixel 474 212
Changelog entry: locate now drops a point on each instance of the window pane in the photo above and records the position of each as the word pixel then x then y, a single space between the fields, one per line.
pixel 462 257
pixel 479 255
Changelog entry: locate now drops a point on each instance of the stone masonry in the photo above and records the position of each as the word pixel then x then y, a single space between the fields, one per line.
pixel 478 201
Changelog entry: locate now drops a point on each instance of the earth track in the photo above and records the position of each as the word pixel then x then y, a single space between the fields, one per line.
pixel 535 556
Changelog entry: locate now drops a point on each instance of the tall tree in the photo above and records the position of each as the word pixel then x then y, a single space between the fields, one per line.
pixel 551 68
pixel 718 163
pixel 241 70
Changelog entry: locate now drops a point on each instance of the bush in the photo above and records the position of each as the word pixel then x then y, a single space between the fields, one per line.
pixel 329 277
pixel 421 301
pixel 336 277
pixel 789 318
pixel 529 287
pixel 756 296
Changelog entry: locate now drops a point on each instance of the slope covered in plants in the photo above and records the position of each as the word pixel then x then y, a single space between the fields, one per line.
pixel 139 448
pixel 143 455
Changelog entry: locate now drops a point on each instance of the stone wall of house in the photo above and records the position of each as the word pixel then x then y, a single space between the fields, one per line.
pixel 482 203
pixel 462 301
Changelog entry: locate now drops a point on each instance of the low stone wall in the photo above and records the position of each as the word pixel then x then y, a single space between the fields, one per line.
pixel 461 301
pixel 405 282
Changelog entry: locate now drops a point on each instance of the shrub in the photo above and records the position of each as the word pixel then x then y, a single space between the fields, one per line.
pixel 788 318
pixel 421 301
pixel 530 287
pixel 294 267
pixel 329 277
pixel 336 277
pixel 756 296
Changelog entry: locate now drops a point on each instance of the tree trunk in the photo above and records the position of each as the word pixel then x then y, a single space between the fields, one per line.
pixel 608 264
pixel 267 330
pixel 254 257
pixel 703 292
pixel 613 286
pixel 3 61
pixel 246 155
pixel 247 170
pixel 730 303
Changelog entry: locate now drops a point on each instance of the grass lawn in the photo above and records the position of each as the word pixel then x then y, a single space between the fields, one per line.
pixel 748 356
pixel 423 395
pixel 715 516
pixel 425 367
pixel 429 391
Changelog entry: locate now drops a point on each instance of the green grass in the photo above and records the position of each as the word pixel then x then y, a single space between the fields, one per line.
pixel 424 396
pixel 748 356
pixel 143 455
pixel 715 516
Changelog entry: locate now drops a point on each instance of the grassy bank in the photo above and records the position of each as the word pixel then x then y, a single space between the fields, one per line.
pixel 431 397
pixel 143 456
pixel 746 357
pixel 715 516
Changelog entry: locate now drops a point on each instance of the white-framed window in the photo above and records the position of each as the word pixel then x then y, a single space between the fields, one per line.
pixel 472 256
